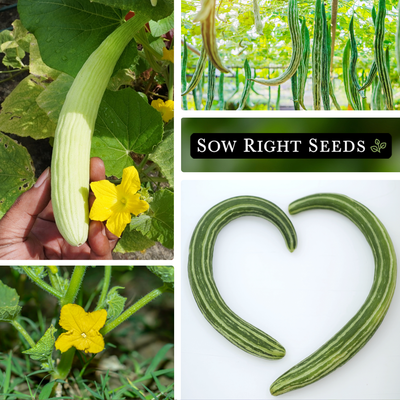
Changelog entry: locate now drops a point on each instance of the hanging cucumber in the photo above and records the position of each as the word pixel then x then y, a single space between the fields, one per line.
pixel 356 333
pixel 302 71
pixel 247 85
pixel 211 85
pixel 325 63
pixel 198 72
pixel 183 73
pixel 316 66
pixel 206 17
pixel 239 332
pixel 380 55
pixel 352 94
pixel 71 150
pixel 297 48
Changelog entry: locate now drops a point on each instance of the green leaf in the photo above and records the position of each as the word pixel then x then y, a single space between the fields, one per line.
pixel 9 299
pixel 36 64
pixel 158 225
pixel 163 156
pixel 125 124
pixel 17 173
pixel 40 272
pixel 52 99
pixel 165 273
pixel 46 391
pixel 161 10
pixel 44 347
pixel 115 303
pixel 68 31
pixel 133 241
pixel 21 114
pixel 162 26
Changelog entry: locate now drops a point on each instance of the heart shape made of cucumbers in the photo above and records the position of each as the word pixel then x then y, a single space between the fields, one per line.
pixel 345 343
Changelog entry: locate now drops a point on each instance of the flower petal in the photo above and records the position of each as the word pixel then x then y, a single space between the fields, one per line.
pixel 117 222
pixel 104 189
pixel 71 317
pixel 130 183
pixel 67 339
pixel 136 206
pixel 99 211
pixel 94 320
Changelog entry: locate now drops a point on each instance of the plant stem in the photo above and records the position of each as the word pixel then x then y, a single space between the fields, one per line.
pixel 143 162
pixel 74 285
pixel 65 364
pixel 23 332
pixel 41 283
pixel 106 284
pixel 12 77
pixel 135 307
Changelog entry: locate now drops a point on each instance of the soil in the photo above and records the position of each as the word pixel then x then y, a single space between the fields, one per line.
pixel 40 150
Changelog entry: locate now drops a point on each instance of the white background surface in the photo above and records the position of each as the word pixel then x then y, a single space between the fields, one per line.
pixel 301 299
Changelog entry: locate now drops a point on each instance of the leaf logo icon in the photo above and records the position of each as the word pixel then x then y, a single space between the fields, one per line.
pixel 379 146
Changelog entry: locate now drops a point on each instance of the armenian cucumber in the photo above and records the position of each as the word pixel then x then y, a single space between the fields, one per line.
pixel 200 269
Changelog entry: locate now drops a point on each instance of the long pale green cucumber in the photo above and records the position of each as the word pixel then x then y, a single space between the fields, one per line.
pixel 247 85
pixel 198 72
pixel 71 150
pixel 257 18
pixel 200 268
pixel 380 55
pixel 316 60
pixel 297 48
pixel 206 17
pixel 356 333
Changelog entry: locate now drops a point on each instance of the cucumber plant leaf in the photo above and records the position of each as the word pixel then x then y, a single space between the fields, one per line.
pixel 133 241
pixel 158 224
pixel 36 64
pixel 68 31
pixel 163 156
pixel 125 124
pixel 17 173
pixel 9 299
pixel 20 113
pixel 114 303
pixel 162 26
pixel 165 273
pixel 44 347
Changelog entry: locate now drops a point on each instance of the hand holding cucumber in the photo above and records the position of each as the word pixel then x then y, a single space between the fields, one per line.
pixel 28 230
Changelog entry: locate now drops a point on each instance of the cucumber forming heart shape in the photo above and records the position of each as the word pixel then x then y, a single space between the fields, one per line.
pixel 219 315
pixel 356 333
pixel 342 346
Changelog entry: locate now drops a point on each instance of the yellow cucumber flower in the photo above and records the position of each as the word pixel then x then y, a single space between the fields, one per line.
pixel 165 108
pixel 168 55
pixel 115 204
pixel 82 329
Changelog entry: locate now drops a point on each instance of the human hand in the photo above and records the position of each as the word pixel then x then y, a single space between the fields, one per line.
pixel 28 230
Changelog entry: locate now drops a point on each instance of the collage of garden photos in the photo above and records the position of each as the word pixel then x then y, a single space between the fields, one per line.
pixel 280 108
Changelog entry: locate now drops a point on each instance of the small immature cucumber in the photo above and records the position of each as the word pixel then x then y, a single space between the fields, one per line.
pixel 71 150
pixel 215 310
pixel 356 333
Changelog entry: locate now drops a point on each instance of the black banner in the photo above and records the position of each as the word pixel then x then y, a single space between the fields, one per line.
pixel 290 145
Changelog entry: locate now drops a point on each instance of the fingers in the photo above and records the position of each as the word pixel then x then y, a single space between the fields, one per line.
pixel 19 219
pixel 97 169
pixel 98 241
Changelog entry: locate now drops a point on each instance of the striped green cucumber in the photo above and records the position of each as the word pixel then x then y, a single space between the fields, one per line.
pixel 380 55
pixel 198 72
pixel 278 98
pixel 325 63
pixel 356 333
pixel 183 73
pixel 295 91
pixel 297 48
pixel 206 17
pixel 352 94
pixel 211 85
pixel 247 85
pixel 316 60
pixel 302 71
pixel 221 101
pixel 353 58
pixel 71 150
pixel 200 269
